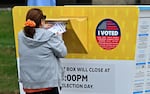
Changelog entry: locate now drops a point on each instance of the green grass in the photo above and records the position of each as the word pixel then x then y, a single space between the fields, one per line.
pixel 8 67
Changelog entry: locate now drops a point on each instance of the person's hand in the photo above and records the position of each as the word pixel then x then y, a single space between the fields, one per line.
pixel 47 26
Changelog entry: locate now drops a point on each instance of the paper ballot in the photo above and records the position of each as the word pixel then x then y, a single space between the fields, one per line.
pixel 58 27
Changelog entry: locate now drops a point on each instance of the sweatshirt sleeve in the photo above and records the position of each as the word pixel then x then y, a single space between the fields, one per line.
pixel 58 47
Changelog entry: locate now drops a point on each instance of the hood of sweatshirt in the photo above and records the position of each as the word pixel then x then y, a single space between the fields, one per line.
pixel 41 36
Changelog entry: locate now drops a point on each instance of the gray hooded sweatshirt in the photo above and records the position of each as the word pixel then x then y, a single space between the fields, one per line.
pixel 40 66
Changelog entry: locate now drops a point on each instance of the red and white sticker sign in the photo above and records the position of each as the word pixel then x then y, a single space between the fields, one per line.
pixel 108 34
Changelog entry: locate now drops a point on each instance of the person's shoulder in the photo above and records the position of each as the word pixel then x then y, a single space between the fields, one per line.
pixel 20 33
pixel 47 32
pixel 44 33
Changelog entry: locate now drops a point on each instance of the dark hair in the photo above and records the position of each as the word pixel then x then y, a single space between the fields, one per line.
pixel 35 15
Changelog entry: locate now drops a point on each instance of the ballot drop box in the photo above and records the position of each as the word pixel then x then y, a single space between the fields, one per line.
pixel 108 47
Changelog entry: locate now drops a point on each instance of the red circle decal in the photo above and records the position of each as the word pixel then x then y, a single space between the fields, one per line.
pixel 108 34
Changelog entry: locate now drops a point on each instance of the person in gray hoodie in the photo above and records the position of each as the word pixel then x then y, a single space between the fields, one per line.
pixel 40 51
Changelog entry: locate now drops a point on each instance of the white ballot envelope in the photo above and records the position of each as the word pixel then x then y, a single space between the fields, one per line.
pixel 59 25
